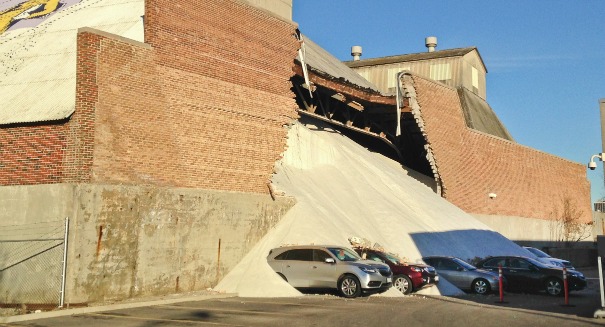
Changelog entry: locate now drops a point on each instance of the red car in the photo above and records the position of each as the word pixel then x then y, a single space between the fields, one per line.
pixel 407 277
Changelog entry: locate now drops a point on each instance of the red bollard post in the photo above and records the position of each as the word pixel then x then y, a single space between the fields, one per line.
pixel 565 286
pixel 500 283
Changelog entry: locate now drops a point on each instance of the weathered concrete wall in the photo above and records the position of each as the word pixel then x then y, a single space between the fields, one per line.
pixel 519 228
pixel 129 241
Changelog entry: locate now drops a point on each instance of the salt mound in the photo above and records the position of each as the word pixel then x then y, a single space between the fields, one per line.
pixel 344 190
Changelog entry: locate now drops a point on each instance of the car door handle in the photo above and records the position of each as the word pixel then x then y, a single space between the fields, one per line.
pixel 287 266
pixel 314 267
pixel 512 270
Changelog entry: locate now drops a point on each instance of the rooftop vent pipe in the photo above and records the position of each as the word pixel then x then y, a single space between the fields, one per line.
pixel 356 52
pixel 431 43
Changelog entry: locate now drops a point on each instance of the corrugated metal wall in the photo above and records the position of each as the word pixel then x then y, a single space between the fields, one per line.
pixel 458 68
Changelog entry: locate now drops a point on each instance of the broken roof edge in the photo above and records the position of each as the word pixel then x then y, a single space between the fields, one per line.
pixel 408 90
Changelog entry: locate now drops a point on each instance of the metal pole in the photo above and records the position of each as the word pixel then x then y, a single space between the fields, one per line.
pixel 601 282
pixel 565 286
pixel 62 299
pixel 500 286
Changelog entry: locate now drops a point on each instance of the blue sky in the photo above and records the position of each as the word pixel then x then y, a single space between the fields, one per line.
pixel 545 58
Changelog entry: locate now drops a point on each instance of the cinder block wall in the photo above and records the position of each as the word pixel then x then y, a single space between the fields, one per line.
pixel 528 183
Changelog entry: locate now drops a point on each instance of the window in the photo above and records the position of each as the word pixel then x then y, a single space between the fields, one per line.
pixel 447 265
pixel 441 72
pixel 475 79
pixel 320 255
pixel 493 263
pixel 519 263
pixel 298 254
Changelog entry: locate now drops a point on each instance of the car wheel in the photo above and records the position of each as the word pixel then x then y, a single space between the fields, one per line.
pixel 349 286
pixel 554 286
pixel 481 286
pixel 403 283
pixel 282 276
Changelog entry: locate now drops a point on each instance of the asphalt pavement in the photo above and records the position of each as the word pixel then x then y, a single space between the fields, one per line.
pixel 208 308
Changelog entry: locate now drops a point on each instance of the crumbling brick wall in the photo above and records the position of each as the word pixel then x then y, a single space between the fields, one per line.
pixel 472 164
pixel 203 103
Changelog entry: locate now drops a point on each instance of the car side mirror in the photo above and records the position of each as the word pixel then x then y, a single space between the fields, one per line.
pixel 330 260
pixel 460 268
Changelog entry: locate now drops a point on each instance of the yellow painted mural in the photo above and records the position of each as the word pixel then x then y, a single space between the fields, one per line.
pixel 26 10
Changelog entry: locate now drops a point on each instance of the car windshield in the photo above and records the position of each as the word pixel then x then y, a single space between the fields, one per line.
pixel 464 264
pixel 393 258
pixel 343 254
pixel 538 253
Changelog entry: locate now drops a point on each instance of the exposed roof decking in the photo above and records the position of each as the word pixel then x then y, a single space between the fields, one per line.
pixel 322 61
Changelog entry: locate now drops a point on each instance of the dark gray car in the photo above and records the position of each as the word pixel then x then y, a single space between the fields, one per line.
pixel 330 267
pixel 464 275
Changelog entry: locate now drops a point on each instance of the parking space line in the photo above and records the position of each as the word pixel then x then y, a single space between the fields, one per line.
pixel 228 310
pixel 199 322
pixel 282 303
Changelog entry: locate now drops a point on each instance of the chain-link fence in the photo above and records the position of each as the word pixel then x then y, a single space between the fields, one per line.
pixel 31 264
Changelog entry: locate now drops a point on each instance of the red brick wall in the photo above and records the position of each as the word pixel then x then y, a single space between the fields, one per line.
pixel 32 154
pixel 204 104
pixel 204 107
pixel 528 183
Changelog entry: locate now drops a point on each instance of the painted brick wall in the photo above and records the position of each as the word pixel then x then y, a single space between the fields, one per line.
pixel 528 183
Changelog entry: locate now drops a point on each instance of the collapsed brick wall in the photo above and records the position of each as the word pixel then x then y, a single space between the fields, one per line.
pixel 528 183
pixel 205 107
pixel 203 104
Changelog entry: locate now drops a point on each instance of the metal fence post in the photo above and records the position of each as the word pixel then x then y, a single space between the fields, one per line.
pixel 62 299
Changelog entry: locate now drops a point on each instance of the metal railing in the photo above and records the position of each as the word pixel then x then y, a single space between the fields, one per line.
pixel 32 264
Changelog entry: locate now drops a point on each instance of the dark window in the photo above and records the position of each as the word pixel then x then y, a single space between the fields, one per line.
pixel 493 263
pixel 519 263
pixel 299 255
pixel 320 255
pixel 447 265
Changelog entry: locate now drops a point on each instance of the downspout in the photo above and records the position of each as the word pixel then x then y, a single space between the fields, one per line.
pixel 405 89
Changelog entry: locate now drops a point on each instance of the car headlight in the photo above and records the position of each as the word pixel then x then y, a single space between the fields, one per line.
pixel 555 263
pixel 367 270
pixel 417 269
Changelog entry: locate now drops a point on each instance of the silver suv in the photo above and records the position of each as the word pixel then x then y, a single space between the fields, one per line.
pixel 330 267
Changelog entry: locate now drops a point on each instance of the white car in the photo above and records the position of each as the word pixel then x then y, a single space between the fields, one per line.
pixel 547 259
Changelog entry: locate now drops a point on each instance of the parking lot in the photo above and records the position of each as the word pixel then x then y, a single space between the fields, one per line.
pixel 581 303
pixel 329 310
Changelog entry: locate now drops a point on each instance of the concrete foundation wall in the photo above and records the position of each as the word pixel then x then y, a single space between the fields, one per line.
pixel 129 241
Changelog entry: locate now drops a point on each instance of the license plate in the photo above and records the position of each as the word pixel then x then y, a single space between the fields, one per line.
pixel 389 279
pixel 436 278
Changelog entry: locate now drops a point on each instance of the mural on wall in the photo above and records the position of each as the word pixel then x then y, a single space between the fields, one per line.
pixel 19 13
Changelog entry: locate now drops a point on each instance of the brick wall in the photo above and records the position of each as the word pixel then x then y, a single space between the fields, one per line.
pixel 203 104
pixel 528 183
pixel 32 153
